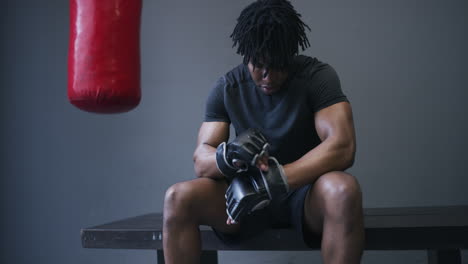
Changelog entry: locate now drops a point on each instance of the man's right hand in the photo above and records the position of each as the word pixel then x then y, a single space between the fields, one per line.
pixel 245 195
pixel 242 153
pixel 253 192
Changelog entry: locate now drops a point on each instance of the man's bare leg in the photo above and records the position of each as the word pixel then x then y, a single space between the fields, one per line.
pixel 333 207
pixel 186 206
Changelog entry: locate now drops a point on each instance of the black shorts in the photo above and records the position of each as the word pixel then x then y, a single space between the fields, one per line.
pixel 286 212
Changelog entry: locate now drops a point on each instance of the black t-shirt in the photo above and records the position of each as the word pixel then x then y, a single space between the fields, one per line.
pixel 286 117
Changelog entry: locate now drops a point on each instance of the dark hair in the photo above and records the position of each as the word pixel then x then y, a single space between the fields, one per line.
pixel 269 32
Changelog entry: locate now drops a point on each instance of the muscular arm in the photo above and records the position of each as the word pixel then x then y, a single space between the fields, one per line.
pixel 210 135
pixel 335 128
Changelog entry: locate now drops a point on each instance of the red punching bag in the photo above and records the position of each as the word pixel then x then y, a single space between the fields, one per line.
pixel 104 55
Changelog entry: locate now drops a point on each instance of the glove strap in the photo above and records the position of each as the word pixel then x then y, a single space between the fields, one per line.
pixel 264 151
pixel 275 179
pixel 222 163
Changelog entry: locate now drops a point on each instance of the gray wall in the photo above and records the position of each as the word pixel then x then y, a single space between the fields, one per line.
pixel 402 65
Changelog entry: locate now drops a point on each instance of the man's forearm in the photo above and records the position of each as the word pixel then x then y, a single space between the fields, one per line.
pixel 205 162
pixel 326 157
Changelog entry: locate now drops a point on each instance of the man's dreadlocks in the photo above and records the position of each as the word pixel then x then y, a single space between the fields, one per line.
pixel 269 32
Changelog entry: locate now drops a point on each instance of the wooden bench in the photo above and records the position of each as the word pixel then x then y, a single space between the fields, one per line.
pixel 442 231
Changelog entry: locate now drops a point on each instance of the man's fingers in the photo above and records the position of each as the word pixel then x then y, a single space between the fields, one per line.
pixel 229 221
pixel 262 163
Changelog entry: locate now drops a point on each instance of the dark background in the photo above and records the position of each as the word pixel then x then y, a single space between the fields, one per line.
pixel 402 65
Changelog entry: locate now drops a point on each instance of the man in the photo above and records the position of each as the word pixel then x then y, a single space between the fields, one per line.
pixel 295 137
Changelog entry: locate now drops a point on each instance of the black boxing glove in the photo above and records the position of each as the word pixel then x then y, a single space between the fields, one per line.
pixel 245 195
pixel 274 179
pixel 242 153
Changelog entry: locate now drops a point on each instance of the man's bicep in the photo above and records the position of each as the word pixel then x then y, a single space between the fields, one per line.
pixel 213 133
pixel 336 122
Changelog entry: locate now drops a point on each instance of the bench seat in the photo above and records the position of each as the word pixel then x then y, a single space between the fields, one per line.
pixel 442 231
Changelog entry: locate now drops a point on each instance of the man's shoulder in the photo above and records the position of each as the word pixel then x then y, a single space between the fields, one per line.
pixel 236 75
pixel 233 81
pixel 307 67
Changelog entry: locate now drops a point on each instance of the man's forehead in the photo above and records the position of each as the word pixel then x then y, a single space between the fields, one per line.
pixel 269 63
pixel 264 59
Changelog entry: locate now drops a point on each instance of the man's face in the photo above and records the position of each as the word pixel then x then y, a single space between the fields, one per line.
pixel 267 80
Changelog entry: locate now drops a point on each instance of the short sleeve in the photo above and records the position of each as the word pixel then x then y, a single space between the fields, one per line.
pixel 215 110
pixel 325 89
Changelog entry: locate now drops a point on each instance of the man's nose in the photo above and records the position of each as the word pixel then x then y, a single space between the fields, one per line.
pixel 265 73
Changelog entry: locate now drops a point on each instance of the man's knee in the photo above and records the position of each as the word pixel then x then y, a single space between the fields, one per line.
pixel 179 195
pixel 341 193
pixel 187 201
pixel 178 199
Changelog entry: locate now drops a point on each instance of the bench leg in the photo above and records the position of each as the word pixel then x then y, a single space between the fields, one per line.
pixel 446 256
pixel 207 257
pixel 160 256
